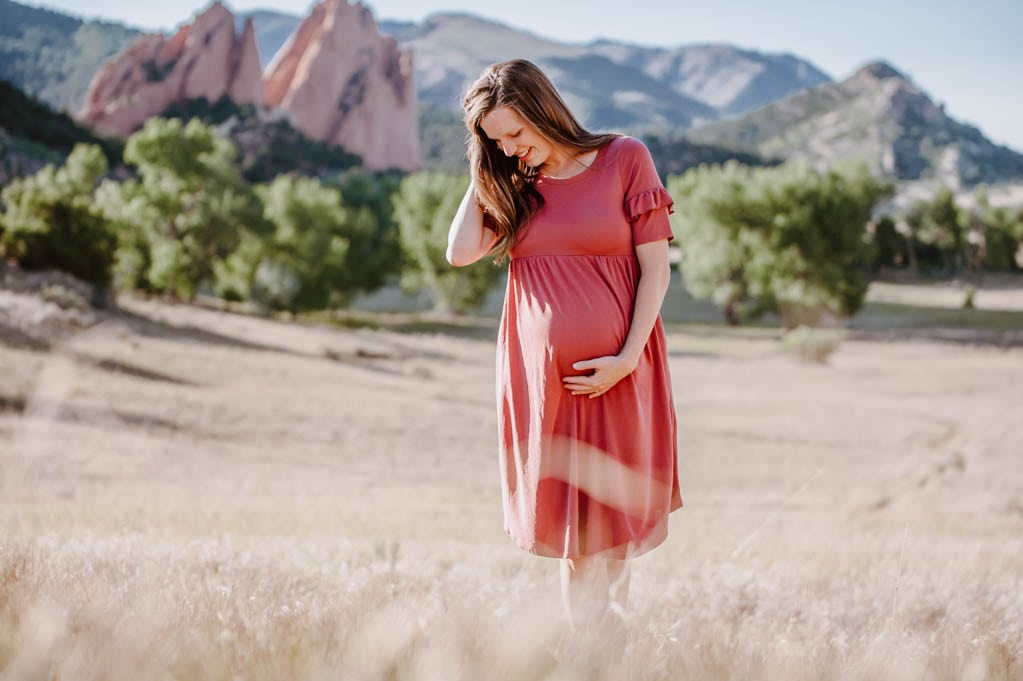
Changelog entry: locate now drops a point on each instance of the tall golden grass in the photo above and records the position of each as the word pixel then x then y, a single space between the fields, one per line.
pixel 186 494
pixel 134 607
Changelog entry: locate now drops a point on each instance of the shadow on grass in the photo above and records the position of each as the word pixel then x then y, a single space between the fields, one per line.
pixel 73 413
pixel 147 326
pixel 880 315
pixel 117 367
pixel 894 321
pixel 16 339
pixel 461 326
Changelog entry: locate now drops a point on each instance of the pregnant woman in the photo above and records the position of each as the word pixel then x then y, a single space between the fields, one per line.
pixel 585 411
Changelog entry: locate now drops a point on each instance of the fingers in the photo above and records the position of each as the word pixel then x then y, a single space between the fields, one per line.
pixel 594 391
pixel 581 385
pixel 602 378
pixel 593 386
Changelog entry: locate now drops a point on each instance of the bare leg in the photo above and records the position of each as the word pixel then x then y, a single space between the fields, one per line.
pixel 592 586
pixel 583 588
pixel 619 575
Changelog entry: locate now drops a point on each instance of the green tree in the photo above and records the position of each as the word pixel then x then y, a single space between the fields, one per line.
pixel 375 251
pixel 994 236
pixel 187 212
pixel 50 219
pixel 424 207
pixel 890 246
pixel 938 231
pixel 309 262
pixel 787 239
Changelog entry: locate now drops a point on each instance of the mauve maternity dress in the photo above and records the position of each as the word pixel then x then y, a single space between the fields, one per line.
pixel 586 476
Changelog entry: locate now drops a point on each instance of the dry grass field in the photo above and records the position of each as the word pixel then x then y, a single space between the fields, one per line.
pixel 192 494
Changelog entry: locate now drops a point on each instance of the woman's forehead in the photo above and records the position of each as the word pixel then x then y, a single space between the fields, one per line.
pixel 501 121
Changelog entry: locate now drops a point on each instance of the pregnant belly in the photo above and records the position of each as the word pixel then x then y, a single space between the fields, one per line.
pixel 575 313
pixel 584 333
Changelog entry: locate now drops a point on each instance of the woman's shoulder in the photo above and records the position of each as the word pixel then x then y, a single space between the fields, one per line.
pixel 627 150
pixel 629 155
pixel 630 146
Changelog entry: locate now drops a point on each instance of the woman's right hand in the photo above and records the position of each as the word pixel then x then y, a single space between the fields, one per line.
pixel 468 239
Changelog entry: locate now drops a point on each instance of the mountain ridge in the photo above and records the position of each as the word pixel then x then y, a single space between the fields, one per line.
pixel 771 105
pixel 878 115
pixel 453 47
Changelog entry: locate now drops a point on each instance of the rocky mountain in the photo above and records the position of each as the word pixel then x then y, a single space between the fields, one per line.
pixel 877 115
pixel 610 84
pixel 452 49
pixel 272 30
pixel 206 59
pixel 729 79
pixel 336 79
pixel 343 83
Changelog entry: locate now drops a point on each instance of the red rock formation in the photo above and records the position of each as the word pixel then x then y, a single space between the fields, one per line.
pixel 205 59
pixel 342 82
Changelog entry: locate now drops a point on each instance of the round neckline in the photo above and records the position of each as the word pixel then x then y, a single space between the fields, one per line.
pixel 601 153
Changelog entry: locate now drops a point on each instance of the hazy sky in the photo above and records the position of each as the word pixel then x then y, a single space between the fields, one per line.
pixel 965 53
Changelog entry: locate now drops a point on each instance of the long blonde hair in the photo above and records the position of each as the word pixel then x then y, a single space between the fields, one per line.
pixel 504 184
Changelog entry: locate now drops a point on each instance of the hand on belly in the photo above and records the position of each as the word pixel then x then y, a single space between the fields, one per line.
pixel 597 375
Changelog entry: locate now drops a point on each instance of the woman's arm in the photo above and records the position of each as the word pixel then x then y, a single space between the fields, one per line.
pixel 655 274
pixel 468 239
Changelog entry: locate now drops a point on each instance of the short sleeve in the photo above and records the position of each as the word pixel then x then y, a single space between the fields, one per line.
pixel 647 202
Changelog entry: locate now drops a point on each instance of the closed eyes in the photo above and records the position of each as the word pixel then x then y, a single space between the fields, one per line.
pixel 510 136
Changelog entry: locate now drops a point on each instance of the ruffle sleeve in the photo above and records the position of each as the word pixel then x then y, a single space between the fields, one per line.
pixel 649 200
pixel 647 203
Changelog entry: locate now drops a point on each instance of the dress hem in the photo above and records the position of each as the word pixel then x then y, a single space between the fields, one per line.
pixel 546 552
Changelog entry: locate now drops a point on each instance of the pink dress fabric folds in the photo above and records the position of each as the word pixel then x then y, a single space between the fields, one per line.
pixel 586 476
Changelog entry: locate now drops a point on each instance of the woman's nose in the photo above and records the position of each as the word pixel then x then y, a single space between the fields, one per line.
pixel 507 149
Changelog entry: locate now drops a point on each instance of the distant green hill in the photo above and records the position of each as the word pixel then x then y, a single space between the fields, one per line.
pixel 53 56
pixel 28 118
pixel 32 135
pixel 674 153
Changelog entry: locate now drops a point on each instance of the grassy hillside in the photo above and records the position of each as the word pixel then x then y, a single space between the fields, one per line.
pixel 32 135
pixel 28 118
pixel 53 56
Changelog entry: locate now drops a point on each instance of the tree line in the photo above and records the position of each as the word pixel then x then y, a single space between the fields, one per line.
pixel 786 239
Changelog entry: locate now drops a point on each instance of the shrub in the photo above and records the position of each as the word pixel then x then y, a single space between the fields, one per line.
pixel 812 345
pixel 424 207
pixel 50 220
pixel 788 239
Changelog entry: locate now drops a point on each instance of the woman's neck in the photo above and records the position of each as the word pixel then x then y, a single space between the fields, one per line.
pixel 566 163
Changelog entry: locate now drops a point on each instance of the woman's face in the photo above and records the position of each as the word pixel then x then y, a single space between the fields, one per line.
pixel 516 137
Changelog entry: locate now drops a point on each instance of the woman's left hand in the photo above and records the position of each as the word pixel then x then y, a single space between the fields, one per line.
pixel 605 374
